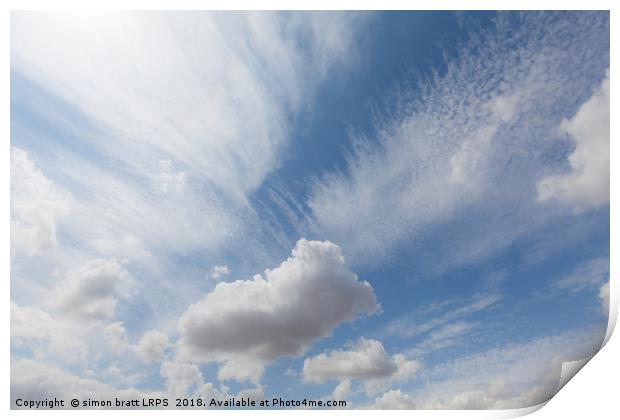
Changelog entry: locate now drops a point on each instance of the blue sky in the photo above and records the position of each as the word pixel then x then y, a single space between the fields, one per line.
pixel 428 192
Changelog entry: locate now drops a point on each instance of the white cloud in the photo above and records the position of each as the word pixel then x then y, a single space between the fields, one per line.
pixel 152 346
pixel 409 326
pixel 33 380
pixel 366 361
pixel 254 394
pixel 445 336
pixel 240 368
pixel 127 246
pixel 36 204
pixel 493 395
pixel 219 66
pixel 481 397
pixel 342 390
pixel 471 160
pixel 247 323
pixel 91 291
pixel 219 271
pixel 121 375
pixel 180 377
pixel 592 273
pixel 185 379
pixel 587 183
pixel 116 337
pixel 169 179
pixel 393 399
pixel 603 295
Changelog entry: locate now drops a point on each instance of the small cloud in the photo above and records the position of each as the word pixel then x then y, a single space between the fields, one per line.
pixel 219 271
pixel 91 292
pixel 366 361
pixel 169 179
pixel 445 313
pixel 152 346
pixel 180 377
pixel 116 336
pixel 590 274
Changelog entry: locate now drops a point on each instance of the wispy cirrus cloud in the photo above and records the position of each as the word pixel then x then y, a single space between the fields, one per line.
pixel 591 273
pixel 468 146
pixel 438 315
pixel 179 116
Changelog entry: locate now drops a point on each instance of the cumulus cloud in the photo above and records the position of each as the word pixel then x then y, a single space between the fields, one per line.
pixel 342 390
pixel 587 182
pixel 91 292
pixel 45 335
pixel 247 323
pixel 36 204
pixel 33 380
pixel 393 399
pixel 254 394
pixel 116 337
pixel 185 379
pixel 152 346
pixel 180 377
pixel 366 361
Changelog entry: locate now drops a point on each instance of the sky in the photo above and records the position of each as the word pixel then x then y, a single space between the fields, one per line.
pixel 397 209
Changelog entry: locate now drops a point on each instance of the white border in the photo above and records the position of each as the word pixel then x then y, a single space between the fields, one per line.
pixel 593 394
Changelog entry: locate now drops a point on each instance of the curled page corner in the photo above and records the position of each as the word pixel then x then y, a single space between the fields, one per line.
pixel 570 369
pixel 520 412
